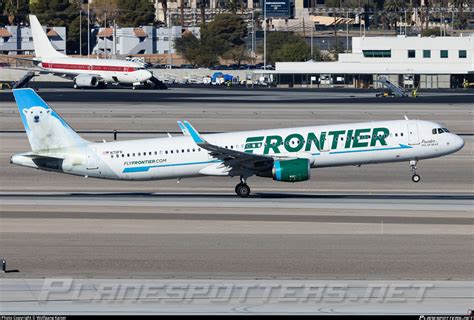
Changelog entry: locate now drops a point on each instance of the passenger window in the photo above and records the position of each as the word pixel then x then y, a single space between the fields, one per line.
pixel 166 152
pixel 182 150
pixel 171 151
pixel 156 153
pixel 396 134
pixel 133 154
pixel 139 154
pixel 128 154
pixel 123 155
pixel 149 153
pixel 401 134
pixel 194 150
pixel 434 131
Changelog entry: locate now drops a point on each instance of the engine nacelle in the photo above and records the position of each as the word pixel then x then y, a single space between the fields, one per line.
pixel 86 81
pixel 291 170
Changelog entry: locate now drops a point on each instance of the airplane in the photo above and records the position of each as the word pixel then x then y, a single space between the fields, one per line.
pixel 285 155
pixel 86 73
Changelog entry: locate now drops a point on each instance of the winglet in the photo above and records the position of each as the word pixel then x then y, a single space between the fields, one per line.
pixel 194 134
pixel 183 128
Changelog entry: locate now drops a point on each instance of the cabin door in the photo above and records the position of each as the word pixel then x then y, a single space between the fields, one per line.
pixel 413 137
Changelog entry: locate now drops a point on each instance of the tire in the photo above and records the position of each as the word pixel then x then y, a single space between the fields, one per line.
pixel 415 178
pixel 242 190
pixel 236 187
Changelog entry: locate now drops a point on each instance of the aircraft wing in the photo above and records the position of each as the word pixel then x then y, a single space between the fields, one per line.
pixel 67 75
pixel 236 160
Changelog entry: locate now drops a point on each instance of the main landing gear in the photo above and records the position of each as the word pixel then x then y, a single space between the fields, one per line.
pixel 415 178
pixel 242 189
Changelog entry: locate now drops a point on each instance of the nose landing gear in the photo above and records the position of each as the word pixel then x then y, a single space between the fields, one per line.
pixel 242 189
pixel 415 178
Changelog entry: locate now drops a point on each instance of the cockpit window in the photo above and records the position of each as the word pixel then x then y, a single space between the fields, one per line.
pixel 440 130
pixel 434 131
pixel 446 130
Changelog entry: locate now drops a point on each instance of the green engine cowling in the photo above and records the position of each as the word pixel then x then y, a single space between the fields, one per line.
pixel 291 170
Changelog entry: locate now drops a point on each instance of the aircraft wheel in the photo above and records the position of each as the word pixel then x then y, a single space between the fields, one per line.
pixel 415 178
pixel 242 190
pixel 75 86
pixel 236 187
pixel 134 88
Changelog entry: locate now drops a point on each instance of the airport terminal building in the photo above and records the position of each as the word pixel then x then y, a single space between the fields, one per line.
pixel 424 62
pixel 16 40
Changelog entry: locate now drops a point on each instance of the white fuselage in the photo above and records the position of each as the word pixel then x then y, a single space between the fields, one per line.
pixel 109 70
pixel 180 157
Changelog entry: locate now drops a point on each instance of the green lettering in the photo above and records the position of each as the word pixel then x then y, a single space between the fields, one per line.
pixel 272 142
pixel 335 138
pixel 253 143
pixel 357 135
pixel 319 143
pixel 348 139
pixel 381 138
pixel 298 146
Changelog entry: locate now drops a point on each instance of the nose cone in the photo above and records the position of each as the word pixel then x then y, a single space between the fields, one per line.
pixel 457 143
pixel 145 75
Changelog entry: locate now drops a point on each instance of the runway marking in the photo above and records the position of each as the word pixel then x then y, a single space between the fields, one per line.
pixel 238 217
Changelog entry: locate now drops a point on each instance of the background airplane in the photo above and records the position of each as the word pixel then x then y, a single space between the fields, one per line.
pixel 87 72
pixel 286 155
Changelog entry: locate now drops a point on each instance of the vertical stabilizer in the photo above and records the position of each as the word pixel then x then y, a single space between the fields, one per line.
pixel 45 129
pixel 43 47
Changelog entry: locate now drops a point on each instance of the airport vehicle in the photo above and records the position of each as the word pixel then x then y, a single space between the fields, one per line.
pixel 286 155
pixel 86 73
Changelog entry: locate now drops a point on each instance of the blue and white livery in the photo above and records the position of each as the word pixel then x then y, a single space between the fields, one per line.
pixel 287 155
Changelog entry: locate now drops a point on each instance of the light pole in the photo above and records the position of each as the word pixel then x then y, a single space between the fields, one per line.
pixel 169 40
pixel 88 30
pixel 80 31
pixel 253 34
pixel 347 31
pixel 105 36
pixel 265 35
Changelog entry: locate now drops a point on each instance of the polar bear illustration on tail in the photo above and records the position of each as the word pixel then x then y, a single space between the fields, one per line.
pixel 45 129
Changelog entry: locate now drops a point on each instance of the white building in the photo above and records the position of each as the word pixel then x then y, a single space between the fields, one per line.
pixel 428 62
pixel 142 40
pixel 16 40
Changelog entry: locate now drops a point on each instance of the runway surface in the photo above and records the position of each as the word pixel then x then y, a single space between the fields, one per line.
pixel 363 224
